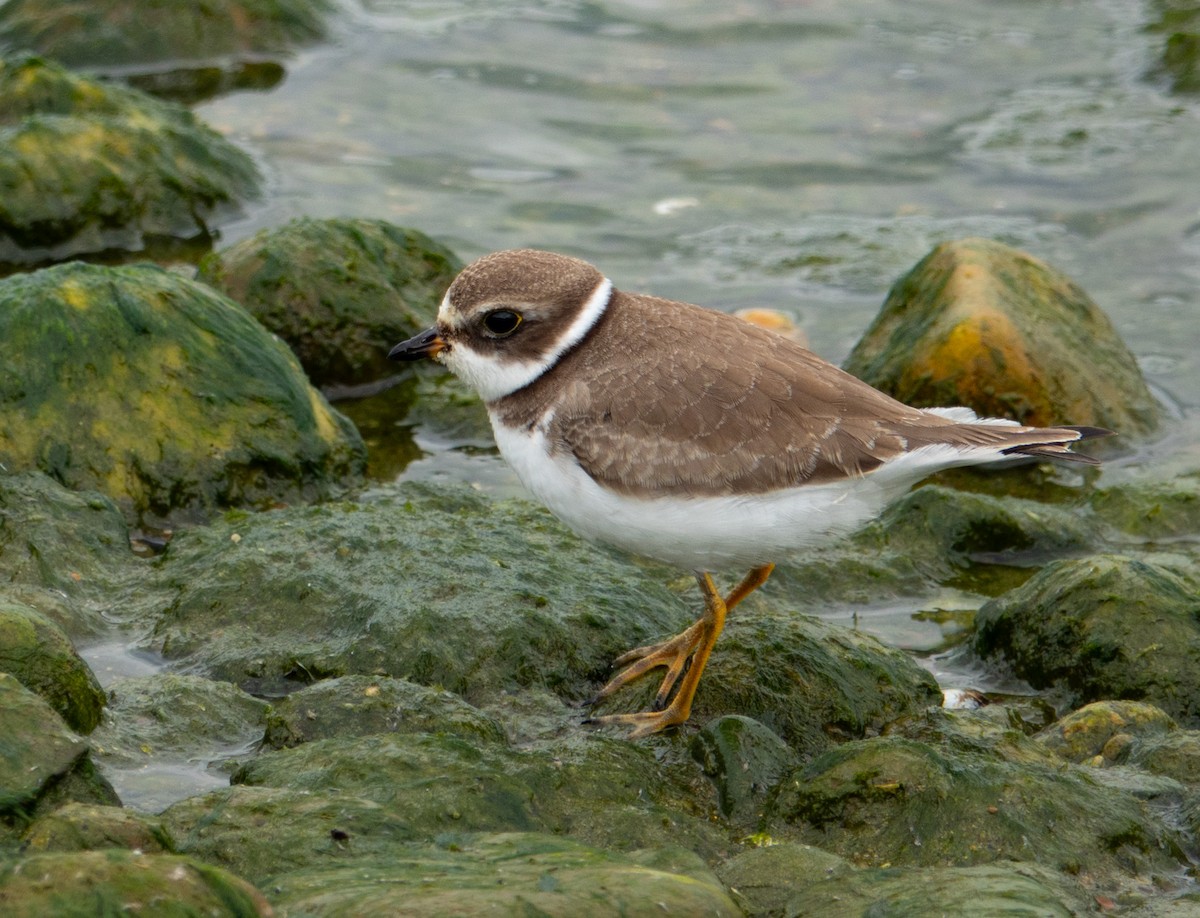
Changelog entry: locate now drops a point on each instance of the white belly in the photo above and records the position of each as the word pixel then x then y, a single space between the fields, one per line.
pixel 702 532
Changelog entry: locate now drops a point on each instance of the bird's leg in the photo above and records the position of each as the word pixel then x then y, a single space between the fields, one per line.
pixel 694 644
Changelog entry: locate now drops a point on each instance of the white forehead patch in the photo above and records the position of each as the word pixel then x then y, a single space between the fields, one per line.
pixel 494 377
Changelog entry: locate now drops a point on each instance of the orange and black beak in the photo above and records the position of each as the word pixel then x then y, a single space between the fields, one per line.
pixel 427 344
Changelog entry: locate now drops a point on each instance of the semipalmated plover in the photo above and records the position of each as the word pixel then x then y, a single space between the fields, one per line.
pixel 688 435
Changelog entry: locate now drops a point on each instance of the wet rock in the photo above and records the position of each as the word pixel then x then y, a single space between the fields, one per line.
pixel 1174 754
pixel 161 394
pixel 512 873
pixel 744 760
pixel 900 802
pixel 362 705
pixel 599 791
pixel 763 879
pixel 799 880
pixel 341 293
pixel 58 547
pixel 35 651
pixel 1179 54
pixel 43 763
pixel 263 832
pixel 1103 732
pixel 134 38
pixel 1104 627
pixel 89 827
pixel 89 166
pixel 1153 510
pixel 444 587
pixel 158 728
pixel 979 324
pixel 117 882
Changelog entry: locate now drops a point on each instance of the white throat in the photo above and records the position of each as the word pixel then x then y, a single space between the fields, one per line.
pixel 494 378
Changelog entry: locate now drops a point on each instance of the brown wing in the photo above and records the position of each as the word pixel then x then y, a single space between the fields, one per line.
pixel 743 410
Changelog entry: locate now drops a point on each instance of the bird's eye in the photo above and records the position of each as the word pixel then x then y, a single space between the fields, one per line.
pixel 501 322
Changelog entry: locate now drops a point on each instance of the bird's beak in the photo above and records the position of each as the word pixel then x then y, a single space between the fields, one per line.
pixel 427 344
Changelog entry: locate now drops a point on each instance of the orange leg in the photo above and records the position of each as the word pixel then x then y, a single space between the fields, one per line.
pixel 694 644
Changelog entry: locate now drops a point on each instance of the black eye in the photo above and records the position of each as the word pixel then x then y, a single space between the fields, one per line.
pixel 501 322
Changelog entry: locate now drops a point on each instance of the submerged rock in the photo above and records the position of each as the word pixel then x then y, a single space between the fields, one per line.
pixel 1105 627
pixel 979 324
pixel 161 394
pixel 1179 54
pixel 89 166
pixel 35 651
pixel 340 292
pixel 116 882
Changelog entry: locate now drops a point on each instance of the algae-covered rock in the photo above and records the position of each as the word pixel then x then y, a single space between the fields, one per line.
pixel 118 882
pixel 340 292
pixel 744 760
pixel 262 832
pixel 42 763
pixel 161 394
pixel 799 880
pixel 89 827
pixel 1174 754
pixel 445 587
pixel 87 166
pixel 511 874
pixel 35 651
pixel 1105 627
pixel 1179 54
pixel 362 705
pixel 1103 732
pixel 99 34
pixel 980 324
pixel 75 545
pixel 894 800
pixel 1151 510
pixel 600 791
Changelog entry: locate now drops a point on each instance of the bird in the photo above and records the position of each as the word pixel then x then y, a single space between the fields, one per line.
pixel 688 435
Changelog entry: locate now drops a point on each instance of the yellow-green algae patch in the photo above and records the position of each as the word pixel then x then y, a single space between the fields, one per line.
pixel 88 166
pixel 980 324
pixel 160 393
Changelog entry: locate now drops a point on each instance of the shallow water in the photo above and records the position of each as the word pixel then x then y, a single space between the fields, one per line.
pixel 795 155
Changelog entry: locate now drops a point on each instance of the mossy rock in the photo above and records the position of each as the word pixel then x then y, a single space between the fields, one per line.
pixel 120 34
pixel 1179 55
pixel 363 705
pixel 88 166
pixel 1174 754
pixel 980 324
pixel 1151 510
pixel 172 716
pixel 292 596
pixel 599 791
pixel 1104 627
pixel 799 880
pixel 73 545
pixel 161 394
pixel 512 874
pixel 1102 733
pixel 115 882
pixel 43 764
pixel 91 827
pixel 36 651
pixel 744 760
pixel 340 292
pixel 896 801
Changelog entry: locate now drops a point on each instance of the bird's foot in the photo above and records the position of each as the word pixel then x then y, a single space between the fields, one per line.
pixel 673 654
